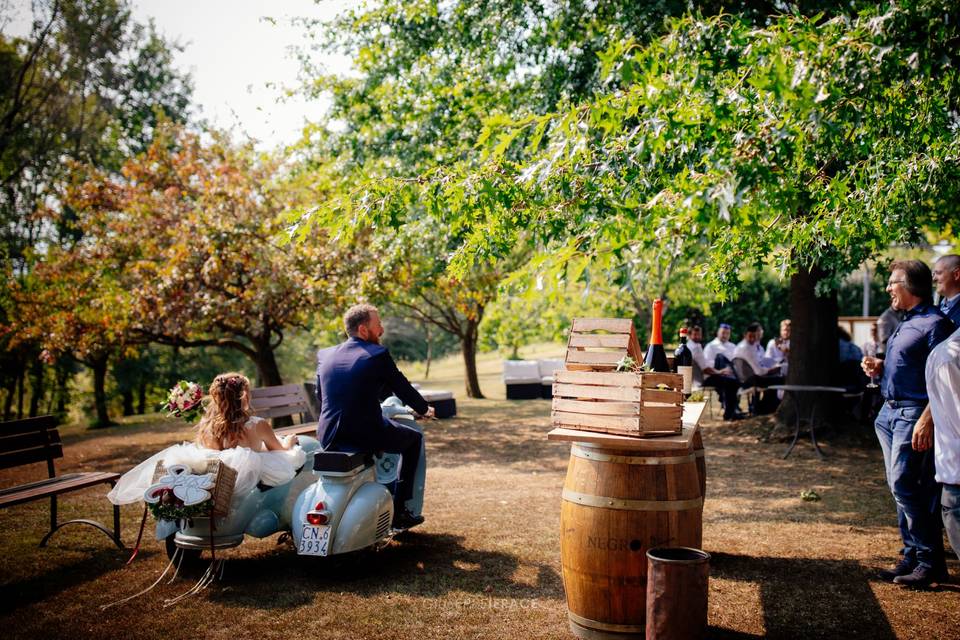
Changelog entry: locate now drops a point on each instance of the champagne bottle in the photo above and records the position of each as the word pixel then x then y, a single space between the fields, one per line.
pixel 683 362
pixel 656 357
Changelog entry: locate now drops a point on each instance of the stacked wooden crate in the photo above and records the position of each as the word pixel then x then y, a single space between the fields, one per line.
pixel 591 396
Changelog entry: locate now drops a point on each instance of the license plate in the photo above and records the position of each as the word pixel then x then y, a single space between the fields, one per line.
pixel 314 540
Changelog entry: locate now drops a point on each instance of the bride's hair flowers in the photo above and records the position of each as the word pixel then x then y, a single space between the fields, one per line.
pixel 185 401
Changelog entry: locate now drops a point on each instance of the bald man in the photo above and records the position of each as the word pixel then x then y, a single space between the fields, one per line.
pixel 946 275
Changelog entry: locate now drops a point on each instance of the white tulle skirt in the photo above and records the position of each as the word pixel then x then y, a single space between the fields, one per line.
pixel 270 467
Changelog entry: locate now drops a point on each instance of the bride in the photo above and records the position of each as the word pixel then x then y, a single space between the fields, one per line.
pixel 226 432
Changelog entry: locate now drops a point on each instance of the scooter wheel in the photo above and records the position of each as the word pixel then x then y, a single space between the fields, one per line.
pixel 188 557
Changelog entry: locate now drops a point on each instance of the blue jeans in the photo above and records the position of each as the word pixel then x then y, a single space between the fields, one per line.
pixel 910 478
pixel 950 511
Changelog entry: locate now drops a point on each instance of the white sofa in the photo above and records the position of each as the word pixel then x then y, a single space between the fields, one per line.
pixel 443 402
pixel 522 379
pixel 547 369
pixel 529 379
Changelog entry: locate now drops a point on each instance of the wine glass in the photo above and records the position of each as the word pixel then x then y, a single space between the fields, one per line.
pixel 870 350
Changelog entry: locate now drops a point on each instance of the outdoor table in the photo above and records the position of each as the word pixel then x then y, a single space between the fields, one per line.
pixel 799 391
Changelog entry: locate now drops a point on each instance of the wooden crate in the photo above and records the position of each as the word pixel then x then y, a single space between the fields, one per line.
pixel 225 477
pixel 597 344
pixel 622 403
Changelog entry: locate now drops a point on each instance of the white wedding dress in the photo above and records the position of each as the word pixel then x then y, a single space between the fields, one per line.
pixel 273 468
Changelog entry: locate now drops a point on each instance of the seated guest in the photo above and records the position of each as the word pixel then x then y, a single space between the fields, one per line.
pixel 720 347
pixel 763 376
pixel 778 349
pixel 850 374
pixel 747 350
pixel 722 380
pixel 761 354
pixel 847 351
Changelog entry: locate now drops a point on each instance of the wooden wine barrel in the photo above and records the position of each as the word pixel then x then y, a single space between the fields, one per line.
pixel 697 445
pixel 617 504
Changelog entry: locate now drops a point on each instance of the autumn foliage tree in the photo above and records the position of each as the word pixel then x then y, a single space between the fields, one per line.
pixel 194 230
pixel 73 304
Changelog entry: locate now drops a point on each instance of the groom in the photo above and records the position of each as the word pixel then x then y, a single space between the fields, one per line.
pixel 350 380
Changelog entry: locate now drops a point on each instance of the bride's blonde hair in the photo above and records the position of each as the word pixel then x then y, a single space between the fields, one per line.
pixel 227 410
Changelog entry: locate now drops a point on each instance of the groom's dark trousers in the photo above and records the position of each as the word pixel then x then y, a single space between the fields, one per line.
pixel 351 379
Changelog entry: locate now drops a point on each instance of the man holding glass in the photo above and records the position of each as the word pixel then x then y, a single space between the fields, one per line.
pixel 907 454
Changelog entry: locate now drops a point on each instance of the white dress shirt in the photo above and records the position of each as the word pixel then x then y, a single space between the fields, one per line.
pixel 716 347
pixel 748 352
pixel 698 358
pixel 943 389
pixel 774 353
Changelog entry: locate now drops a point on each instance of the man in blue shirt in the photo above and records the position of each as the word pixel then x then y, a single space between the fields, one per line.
pixel 909 464
pixel 946 274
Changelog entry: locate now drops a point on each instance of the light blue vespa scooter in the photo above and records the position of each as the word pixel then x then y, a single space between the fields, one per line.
pixel 337 502
pixel 350 506
pixel 262 512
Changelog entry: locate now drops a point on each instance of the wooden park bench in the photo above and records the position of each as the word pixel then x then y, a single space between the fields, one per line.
pixel 287 400
pixel 24 442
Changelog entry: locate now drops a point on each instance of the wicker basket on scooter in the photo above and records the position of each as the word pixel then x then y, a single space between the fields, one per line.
pixel 224 478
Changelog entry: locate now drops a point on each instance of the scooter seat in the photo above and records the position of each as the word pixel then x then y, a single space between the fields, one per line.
pixel 339 461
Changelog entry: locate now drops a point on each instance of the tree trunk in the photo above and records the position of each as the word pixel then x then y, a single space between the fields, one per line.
pixel 813 339
pixel 11 390
pixel 142 398
pixel 99 367
pixel 268 375
pixel 63 394
pixel 127 395
pixel 426 328
pixel 37 388
pixel 21 379
pixel 468 345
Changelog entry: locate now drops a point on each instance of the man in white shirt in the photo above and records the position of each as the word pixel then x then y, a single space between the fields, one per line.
pixel 946 274
pixel 942 416
pixel 722 380
pixel 763 376
pixel 778 349
pixel 719 346
pixel 747 349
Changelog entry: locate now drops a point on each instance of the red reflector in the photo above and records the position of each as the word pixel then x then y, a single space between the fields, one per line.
pixel 317 518
pixel 318 507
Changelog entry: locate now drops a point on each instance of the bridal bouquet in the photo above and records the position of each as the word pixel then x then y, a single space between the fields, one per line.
pixel 184 401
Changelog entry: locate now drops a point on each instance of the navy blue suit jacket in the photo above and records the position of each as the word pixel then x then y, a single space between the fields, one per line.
pixel 351 379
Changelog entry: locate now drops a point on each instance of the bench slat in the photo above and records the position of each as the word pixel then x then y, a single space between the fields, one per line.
pixel 274 412
pixel 268 392
pixel 305 429
pixel 82 481
pixel 38 483
pixel 281 401
pixel 28 425
pixel 21 441
pixel 29 456
pixel 273 401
